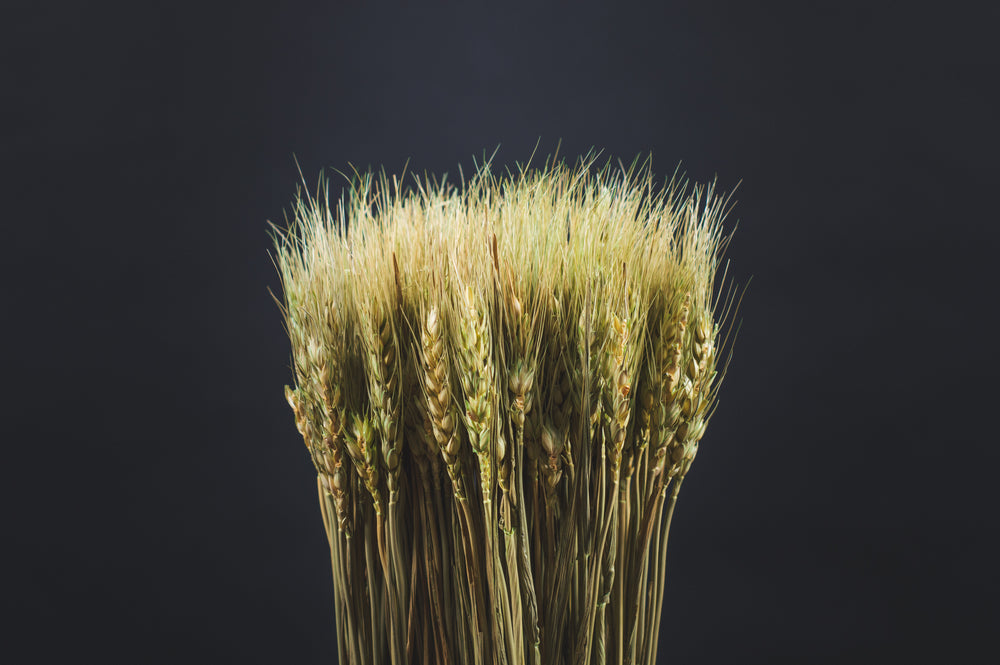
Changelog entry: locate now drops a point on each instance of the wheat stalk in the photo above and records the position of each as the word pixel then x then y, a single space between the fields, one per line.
pixel 502 386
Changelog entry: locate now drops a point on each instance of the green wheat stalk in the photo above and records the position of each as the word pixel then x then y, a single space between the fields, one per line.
pixel 502 386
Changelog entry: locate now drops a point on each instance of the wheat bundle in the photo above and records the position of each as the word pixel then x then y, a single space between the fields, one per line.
pixel 502 386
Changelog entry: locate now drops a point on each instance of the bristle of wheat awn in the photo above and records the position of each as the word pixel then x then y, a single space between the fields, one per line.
pixel 502 385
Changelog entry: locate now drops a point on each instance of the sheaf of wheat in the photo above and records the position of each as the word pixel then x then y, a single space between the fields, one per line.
pixel 502 385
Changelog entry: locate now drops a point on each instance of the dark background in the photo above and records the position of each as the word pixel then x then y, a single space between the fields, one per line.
pixel 160 504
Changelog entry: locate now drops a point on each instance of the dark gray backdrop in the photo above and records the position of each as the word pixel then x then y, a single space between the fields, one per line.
pixel 161 507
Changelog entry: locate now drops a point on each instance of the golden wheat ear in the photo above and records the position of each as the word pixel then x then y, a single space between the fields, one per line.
pixel 502 386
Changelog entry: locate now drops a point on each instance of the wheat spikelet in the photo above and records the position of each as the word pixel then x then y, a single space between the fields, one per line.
pixel 384 392
pixel 478 379
pixel 672 395
pixel 437 382
pixel 363 448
